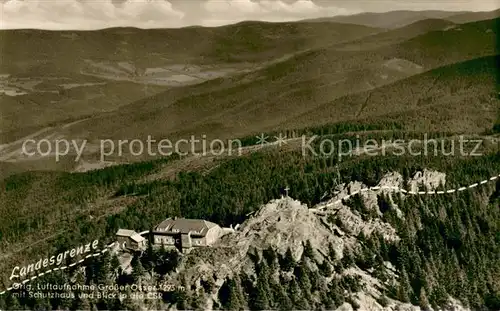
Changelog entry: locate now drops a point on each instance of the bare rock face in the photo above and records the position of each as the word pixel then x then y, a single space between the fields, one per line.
pixel 288 224
pixel 284 224
pixel 281 224
pixel 356 225
pixel 430 180
pixel 390 185
pixel 367 302
pixel 345 307
pixel 393 179
pixel 454 305
pixel 352 222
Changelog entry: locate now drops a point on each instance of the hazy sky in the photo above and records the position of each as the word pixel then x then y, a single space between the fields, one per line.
pixel 92 14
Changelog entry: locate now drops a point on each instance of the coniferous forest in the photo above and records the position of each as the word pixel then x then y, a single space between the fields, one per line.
pixel 353 190
pixel 449 243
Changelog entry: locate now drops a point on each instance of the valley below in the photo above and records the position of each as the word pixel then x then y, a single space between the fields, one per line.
pixel 351 163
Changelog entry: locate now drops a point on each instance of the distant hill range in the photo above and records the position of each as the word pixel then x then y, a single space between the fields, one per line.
pixel 396 19
pixel 474 16
pixel 65 51
pixel 126 83
pixel 63 76
pixel 263 99
pixel 396 75
pixel 393 36
pixel 461 97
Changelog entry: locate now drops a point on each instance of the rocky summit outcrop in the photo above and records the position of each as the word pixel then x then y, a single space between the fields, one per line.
pixel 281 224
pixel 427 179
pixel 390 185
pixel 287 224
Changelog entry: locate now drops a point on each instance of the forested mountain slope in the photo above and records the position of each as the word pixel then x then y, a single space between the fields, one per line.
pixel 263 100
pixel 398 230
pixel 459 97
pixel 446 245
pixel 54 77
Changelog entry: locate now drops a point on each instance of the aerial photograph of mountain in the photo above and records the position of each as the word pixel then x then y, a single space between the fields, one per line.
pixel 250 155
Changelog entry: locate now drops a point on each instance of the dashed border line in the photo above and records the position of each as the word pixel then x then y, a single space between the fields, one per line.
pixel 398 189
pixel 18 284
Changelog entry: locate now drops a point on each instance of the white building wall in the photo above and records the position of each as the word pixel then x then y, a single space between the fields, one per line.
pixel 213 235
pixel 165 240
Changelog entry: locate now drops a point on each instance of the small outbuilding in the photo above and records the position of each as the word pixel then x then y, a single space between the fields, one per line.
pixel 129 239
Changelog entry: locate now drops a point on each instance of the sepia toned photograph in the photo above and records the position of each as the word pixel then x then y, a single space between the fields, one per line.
pixel 334 155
